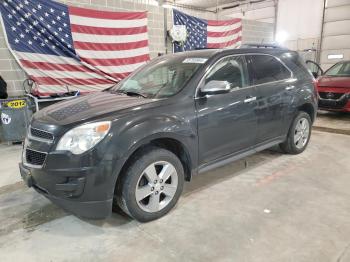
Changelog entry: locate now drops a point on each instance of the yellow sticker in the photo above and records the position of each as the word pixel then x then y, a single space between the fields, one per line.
pixel 16 104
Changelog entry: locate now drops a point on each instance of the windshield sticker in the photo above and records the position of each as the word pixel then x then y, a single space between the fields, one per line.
pixel 195 60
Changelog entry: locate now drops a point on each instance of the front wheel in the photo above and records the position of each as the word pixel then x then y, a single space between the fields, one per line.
pixel 299 135
pixel 152 185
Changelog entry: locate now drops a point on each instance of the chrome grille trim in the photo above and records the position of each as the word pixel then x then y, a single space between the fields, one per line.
pixel 40 139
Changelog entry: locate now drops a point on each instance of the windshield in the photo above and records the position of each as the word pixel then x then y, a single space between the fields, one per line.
pixel 163 78
pixel 341 69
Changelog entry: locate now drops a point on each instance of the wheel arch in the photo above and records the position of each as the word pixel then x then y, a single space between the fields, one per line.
pixel 166 141
pixel 309 109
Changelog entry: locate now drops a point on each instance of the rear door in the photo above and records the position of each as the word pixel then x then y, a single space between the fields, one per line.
pixel 272 80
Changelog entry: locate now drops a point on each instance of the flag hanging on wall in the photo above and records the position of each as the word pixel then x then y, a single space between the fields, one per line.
pixel 61 46
pixel 203 33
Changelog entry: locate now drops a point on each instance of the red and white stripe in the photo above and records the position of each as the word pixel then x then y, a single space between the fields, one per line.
pixel 110 46
pixel 112 43
pixel 224 34
pixel 54 74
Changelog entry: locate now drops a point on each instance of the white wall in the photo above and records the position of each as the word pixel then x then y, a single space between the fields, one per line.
pixel 262 12
pixel 336 32
pixel 301 19
pixel 299 22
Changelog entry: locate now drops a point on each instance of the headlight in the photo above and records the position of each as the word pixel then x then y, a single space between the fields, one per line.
pixel 84 137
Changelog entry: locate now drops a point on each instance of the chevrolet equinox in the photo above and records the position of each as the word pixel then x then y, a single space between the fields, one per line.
pixel 133 145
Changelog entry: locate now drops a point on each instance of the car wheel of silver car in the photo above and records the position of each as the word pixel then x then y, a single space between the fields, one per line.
pixel 152 184
pixel 298 135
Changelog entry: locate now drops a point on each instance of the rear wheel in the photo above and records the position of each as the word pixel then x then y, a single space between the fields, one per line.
pixel 298 135
pixel 151 185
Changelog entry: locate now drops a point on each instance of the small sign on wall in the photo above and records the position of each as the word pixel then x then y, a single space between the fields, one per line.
pixel 335 56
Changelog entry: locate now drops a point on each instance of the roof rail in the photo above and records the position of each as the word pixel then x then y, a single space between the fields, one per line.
pixel 253 45
pixel 203 48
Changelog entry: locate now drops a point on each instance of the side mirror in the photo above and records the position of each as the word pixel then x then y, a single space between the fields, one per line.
pixel 216 87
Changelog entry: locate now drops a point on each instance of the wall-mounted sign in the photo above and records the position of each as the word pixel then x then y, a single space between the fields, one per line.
pixel 335 56
pixel 16 104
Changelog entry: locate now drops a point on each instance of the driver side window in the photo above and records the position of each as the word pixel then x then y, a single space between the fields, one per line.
pixel 231 69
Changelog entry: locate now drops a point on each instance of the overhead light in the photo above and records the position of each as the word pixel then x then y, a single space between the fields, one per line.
pixel 154 3
pixel 167 5
pixel 281 37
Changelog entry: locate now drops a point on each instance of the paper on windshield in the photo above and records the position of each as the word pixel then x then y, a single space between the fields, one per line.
pixel 195 60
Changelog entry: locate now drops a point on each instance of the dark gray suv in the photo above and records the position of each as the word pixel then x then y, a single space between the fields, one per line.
pixel 133 146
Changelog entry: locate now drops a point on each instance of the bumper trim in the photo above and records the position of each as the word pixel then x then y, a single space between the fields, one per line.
pixel 26 176
pixel 91 209
pixel 77 185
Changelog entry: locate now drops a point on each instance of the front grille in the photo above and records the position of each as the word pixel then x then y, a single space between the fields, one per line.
pixel 331 95
pixel 35 158
pixel 41 134
pixel 334 104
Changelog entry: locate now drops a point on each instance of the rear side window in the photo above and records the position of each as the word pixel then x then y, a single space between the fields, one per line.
pixel 296 63
pixel 265 69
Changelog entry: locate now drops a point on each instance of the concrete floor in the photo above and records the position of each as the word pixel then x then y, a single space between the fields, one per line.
pixel 335 122
pixel 278 208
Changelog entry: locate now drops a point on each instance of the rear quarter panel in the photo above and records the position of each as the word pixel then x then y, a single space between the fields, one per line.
pixel 305 92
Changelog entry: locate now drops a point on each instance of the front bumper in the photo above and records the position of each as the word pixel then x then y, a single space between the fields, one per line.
pixel 73 190
pixel 81 184
pixel 341 104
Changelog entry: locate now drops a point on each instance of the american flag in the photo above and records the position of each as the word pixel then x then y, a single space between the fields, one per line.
pixel 203 33
pixel 62 46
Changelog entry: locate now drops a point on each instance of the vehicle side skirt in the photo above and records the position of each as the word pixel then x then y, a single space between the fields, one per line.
pixel 241 154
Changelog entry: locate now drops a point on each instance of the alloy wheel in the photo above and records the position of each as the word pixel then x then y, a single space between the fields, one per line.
pixel 156 186
pixel 301 133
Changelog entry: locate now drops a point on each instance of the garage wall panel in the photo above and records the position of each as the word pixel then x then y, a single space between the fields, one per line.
pixel 336 42
pixel 335 3
pixel 340 27
pixel 336 32
pixel 337 13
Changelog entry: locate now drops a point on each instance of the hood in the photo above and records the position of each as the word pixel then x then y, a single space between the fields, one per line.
pixel 333 81
pixel 87 107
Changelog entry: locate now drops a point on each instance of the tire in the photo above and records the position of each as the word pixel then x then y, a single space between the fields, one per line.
pixel 143 199
pixel 292 145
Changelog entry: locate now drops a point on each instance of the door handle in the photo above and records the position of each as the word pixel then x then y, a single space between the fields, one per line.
pixel 249 99
pixel 290 87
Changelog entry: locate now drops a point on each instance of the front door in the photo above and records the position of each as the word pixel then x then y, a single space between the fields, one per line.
pixel 226 122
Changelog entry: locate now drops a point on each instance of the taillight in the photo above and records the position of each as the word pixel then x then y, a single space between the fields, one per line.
pixel 315 88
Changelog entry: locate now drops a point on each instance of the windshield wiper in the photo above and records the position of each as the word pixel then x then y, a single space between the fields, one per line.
pixel 134 93
pixel 130 93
